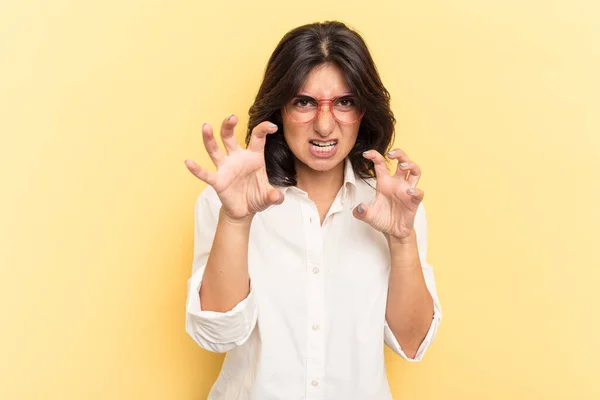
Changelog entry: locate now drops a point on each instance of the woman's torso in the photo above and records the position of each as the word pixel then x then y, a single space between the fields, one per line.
pixel 321 294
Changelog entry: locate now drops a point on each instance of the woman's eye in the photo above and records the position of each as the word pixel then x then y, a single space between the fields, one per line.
pixel 302 102
pixel 346 102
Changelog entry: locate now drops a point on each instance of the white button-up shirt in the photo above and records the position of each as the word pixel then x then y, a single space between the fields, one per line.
pixel 313 325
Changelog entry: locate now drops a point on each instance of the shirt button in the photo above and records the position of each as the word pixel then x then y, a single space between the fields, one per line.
pixel 315 270
pixel 315 327
pixel 315 383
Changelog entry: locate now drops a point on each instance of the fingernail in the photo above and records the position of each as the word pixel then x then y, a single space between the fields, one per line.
pixel 204 124
pixel 404 165
pixel 231 116
pixel 360 209
pixel 391 153
pixel 272 126
pixel 411 191
pixel 365 153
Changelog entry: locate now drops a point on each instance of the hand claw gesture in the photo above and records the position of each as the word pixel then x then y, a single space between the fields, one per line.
pixel 397 199
pixel 241 180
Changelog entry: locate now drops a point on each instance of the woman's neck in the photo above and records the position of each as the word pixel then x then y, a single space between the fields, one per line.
pixel 320 185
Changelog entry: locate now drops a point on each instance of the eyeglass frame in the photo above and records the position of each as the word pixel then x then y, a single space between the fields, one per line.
pixel 319 104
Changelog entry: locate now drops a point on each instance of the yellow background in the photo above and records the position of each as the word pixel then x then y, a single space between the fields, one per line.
pixel 101 102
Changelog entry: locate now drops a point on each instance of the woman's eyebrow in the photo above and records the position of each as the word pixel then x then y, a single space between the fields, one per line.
pixel 304 94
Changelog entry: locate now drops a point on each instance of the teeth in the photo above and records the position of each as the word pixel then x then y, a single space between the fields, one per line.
pixel 323 144
pixel 323 147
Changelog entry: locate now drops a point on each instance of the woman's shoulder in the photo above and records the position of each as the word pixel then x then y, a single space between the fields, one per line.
pixel 365 189
pixel 208 201
pixel 209 194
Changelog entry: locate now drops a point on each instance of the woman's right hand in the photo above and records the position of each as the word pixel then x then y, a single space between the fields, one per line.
pixel 241 180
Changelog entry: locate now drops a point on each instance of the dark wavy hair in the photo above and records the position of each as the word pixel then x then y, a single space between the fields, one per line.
pixel 298 52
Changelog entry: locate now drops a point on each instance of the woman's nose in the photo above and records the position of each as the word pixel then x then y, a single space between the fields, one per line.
pixel 324 122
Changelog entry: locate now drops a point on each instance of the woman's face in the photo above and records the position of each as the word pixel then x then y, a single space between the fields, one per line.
pixel 324 142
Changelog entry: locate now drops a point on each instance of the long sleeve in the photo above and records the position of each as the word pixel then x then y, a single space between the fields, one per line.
pixel 214 331
pixel 389 338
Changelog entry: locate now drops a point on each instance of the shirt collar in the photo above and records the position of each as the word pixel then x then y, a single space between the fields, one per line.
pixel 348 186
pixel 349 181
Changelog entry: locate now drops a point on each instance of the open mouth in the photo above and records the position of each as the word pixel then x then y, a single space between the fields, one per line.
pixel 323 146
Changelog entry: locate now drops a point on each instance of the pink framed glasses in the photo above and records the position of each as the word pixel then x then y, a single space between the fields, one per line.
pixel 303 109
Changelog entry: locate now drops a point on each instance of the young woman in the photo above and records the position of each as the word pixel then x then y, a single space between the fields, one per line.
pixel 309 255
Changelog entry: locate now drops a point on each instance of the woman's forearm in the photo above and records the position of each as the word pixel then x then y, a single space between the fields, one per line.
pixel 409 309
pixel 226 281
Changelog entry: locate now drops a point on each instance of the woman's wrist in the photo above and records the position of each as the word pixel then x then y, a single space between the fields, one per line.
pixel 409 239
pixel 236 221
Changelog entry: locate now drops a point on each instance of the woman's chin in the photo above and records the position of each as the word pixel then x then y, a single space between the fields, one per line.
pixel 321 164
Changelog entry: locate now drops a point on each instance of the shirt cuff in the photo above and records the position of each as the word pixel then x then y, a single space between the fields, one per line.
pixel 393 343
pixel 218 331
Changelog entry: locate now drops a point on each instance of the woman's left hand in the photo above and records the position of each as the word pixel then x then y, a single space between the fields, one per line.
pixel 393 210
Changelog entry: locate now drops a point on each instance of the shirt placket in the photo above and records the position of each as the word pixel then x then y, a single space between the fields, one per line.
pixel 315 297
